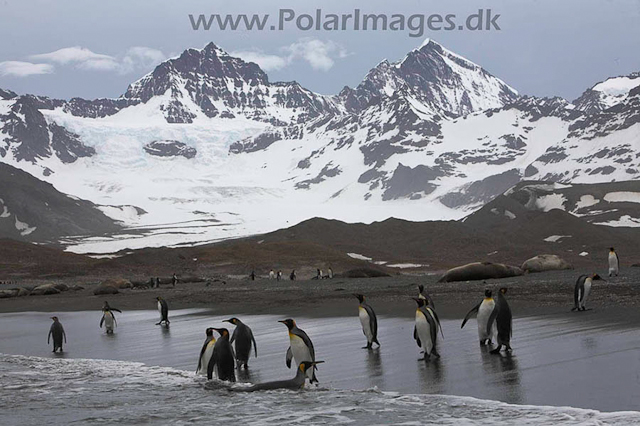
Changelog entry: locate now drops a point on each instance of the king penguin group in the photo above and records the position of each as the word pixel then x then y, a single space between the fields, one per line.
pixel 221 356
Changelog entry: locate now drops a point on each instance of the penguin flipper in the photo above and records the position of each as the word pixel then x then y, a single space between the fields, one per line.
pixel 102 321
pixel 415 336
pixel 435 316
pixel 289 356
pixel 471 312
pixel 233 336
pixel 255 345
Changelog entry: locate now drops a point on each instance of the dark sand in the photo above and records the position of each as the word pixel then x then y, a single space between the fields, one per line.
pixel 531 294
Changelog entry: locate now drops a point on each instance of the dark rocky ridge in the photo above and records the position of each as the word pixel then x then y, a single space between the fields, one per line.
pixel 46 213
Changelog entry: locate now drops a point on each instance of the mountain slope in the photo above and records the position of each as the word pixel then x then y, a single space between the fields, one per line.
pixel 33 210
pixel 212 149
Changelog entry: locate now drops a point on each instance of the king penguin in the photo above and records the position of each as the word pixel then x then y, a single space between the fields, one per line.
pixel 109 320
pixel 614 263
pixel 106 306
pixel 243 338
pixel 163 308
pixel 57 331
pixel 296 383
pixel 301 348
pixel 486 328
pixel 206 352
pixel 425 331
pixel 582 290
pixel 222 358
pixel 368 321
pixel 423 295
pixel 503 319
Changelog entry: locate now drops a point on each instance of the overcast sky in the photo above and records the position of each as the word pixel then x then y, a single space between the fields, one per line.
pixel 95 48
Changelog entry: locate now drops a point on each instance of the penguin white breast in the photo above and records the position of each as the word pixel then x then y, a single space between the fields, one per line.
pixel 587 290
pixel 299 349
pixel 613 261
pixel 108 320
pixel 424 332
pixel 206 357
pixel 484 313
pixel 364 320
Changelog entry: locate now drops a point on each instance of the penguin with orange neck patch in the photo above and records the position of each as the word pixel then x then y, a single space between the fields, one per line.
pixel 301 348
pixel 222 358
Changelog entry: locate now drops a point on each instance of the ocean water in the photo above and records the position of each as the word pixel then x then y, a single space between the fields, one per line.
pixel 144 374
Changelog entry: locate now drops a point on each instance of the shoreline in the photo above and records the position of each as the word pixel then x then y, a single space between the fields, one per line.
pixel 529 295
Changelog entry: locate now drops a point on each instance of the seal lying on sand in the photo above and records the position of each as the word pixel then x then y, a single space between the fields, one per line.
pixel 545 262
pixel 480 271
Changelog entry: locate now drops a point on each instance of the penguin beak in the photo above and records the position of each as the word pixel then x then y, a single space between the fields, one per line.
pixel 282 321
pixel 317 362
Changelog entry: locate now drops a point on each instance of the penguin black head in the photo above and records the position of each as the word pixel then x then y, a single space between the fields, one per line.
pixel 159 298
pixel 596 277
pixel 487 293
pixel 503 290
pixel 233 320
pixel 209 332
pixel 420 288
pixel 359 296
pixel 289 323
pixel 611 249
pixel 55 319
pixel 305 365
pixel 222 331
pixel 419 301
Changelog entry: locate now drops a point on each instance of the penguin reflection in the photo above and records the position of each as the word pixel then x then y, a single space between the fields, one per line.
pixel 374 364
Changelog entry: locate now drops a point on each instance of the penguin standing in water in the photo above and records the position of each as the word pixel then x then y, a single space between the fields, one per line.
pixel 222 358
pixel 301 348
pixel 423 295
pixel 57 331
pixel 296 383
pixel 425 331
pixel 369 322
pixel 206 352
pixel 582 290
pixel 614 263
pixel 243 338
pixel 163 308
pixel 486 326
pixel 109 320
pixel 503 319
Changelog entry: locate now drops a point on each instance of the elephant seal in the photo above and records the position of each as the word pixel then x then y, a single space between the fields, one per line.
pixel 480 271
pixel 545 262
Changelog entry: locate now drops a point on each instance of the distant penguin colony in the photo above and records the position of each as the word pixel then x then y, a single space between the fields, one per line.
pixel 220 357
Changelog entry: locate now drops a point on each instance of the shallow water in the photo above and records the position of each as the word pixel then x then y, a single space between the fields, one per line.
pixel 559 361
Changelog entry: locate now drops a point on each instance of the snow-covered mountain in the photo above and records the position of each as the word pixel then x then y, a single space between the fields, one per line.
pixel 211 149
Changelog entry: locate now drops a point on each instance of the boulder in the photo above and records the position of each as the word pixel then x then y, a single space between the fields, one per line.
pixel 44 289
pixel 105 289
pixel 545 262
pixel 21 291
pixel 120 283
pixel 61 287
pixel 480 271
